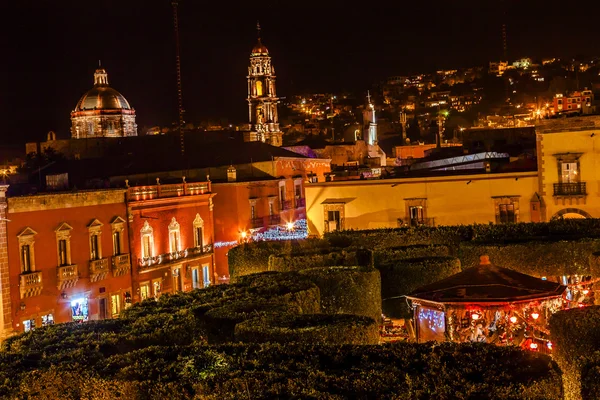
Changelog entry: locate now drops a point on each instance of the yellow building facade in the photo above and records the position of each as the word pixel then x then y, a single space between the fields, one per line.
pixel 566 184
pixel 433 201
pixel 568 152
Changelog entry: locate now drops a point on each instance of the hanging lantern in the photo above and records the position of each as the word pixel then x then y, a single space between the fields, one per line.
pixel 475 317
pixel 513 319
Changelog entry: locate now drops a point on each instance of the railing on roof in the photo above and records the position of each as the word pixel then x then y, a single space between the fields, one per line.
pixel 458 160
pixel 169 190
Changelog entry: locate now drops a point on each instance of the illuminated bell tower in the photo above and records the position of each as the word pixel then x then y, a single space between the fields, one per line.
pixel 262 98
pixel 370 134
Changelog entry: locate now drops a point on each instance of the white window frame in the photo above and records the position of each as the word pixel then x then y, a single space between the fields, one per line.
pixel 95 229
pixel 117 225
pixel 198 224
pixel 147 231
pixel 174 228
pixel 27 238
pixel 63 232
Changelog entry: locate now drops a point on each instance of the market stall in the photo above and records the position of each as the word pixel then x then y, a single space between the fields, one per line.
pixel 488 304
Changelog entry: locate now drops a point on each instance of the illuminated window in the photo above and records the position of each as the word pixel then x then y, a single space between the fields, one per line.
pixel 145 291
pixel 177 284
pixel 174 236
pixel 63 242
pixel 569 172
pixel 259 88
pixel 206 275
pixel 147 235
pixel 47 319
pixel 95 230
pixel 196 278
pixel 115 304
pixel 29 325
pixel 198 226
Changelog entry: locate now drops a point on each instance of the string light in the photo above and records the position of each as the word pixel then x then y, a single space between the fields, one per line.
pixel 475 317
pixel 434 319
pixel 513 319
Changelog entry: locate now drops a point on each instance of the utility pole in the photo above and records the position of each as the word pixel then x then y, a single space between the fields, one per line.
pixel 175 4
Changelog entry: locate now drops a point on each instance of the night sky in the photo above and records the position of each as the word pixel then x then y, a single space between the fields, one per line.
pixel 50 50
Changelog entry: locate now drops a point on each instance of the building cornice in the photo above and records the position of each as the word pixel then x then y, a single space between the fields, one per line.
pixel 56 201
pixel 437 179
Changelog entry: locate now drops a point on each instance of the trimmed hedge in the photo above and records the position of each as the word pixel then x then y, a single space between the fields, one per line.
pixel 266 371
pixel 293 262
pixel 348 290
pixel 559 229
pixel 535 258
pixel 403 276
pixel 576 339
pixel 309 328
pixel 392 254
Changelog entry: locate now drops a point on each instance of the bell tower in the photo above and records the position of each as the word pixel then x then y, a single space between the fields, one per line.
pixel 262 98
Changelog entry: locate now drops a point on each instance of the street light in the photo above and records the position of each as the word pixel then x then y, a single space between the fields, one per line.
pixel 290 226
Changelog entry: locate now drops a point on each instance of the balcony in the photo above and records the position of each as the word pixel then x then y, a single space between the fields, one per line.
pixel 169 190
pixel 300 202
pixel 68 276
pixel 415 222
pixel 30 284
pixel 274 219
pixel 98 269
pixel 120 264
pixel 147 263
pixel 256 223
pixel 570 189
pixel 287 205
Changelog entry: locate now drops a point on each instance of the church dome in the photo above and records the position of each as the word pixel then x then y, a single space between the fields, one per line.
pixel 260 49
pixel 102 96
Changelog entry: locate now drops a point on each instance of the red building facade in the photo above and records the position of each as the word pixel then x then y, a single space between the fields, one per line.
pixel 245 207
pixel 68 258
pixel 171 237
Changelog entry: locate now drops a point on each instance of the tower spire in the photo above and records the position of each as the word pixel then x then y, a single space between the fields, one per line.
pixel 258 30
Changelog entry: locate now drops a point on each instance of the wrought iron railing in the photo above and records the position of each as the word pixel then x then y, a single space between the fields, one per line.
pixel 414 222
pixel 166 258
pixel 120 264
pixel 570 189
pixel 274 219
pixel 287 205
pixel 256 223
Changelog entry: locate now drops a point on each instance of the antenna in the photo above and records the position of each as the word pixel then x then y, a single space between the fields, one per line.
pixel 175 3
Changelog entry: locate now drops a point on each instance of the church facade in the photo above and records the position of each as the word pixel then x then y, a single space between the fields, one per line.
pixel 102 112
pixel 262 98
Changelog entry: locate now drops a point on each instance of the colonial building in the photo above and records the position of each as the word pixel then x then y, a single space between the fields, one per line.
pixel 247 207
pixel 430 201
pixel 568 167
pixel 171 236
pixel 68 258
pixel 102 112
pixel 262 98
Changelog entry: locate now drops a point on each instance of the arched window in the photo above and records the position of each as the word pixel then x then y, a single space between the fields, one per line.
pixel 259 88
pixel 174 236
pixel 147 235
pixel 198 231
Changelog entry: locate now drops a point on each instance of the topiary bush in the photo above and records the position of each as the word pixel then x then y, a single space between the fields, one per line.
pixel 392 254
pixel 575 337
pixel 348 290
pixel 403 276
pixel 298 262
pixel 535 258
pixel 309 329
